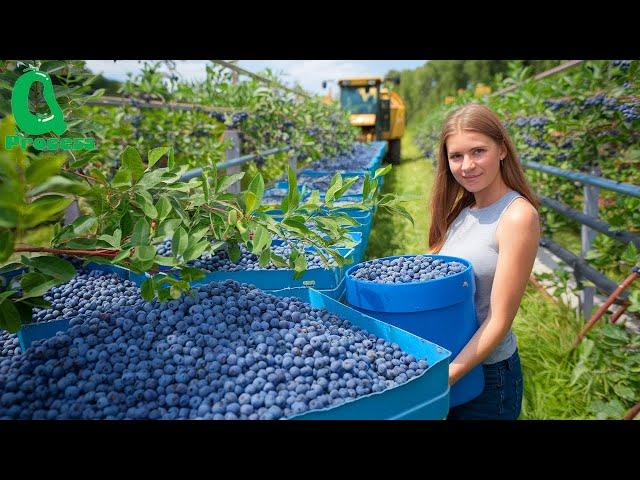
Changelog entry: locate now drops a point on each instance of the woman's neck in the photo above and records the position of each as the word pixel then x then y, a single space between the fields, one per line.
pixel 491 194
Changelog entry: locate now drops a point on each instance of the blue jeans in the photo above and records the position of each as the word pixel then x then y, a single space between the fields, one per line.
pixel 501 398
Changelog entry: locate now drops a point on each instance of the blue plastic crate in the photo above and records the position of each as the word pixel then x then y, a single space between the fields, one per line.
pixel 440 310
pixel 425 397
pixel 278 279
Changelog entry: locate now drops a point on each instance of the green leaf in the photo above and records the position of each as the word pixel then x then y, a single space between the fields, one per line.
pixel 346 185
pixel 615 332
pixel 171 161
pixel 234 252
pixel 151 179
pixel 261 239
pixel 277 260
pixel 121 256
pixel 9 317
pixel 163 207
pixel 175 292
pixel 250 201
pixel 5 295
pixel 205 186
pixel 229 180
pixel 113 240
pixel 6 244
pixel 190 274
pixel 132 161
pixel 54 266
pixel 32 280
pixel 610 410
pixel 83 224
pixel 368 186
pixel 59 184
pixel 382 171
pixel 147 290
pixel 265 258
pixel 334 186
pixel 147 207
pixel 41 289
pixel 167 227
pixel 35 302
pixel 122 178
pixel 293 195
pixel 194 251
pixel 630 254
pixel 155 155
pixel 43 209
pixel 8 218
pixel 179 242
pixel 140 234
pixel 257 188
pixel 624 392
pixel 166 261
pixel 44 167
pixel 145 253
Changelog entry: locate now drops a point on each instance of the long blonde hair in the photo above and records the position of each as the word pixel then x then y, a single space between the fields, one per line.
pixel 449 197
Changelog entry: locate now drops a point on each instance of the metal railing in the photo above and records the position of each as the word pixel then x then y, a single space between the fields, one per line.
pixel 237 161
pixel 133 102
pixel 590 225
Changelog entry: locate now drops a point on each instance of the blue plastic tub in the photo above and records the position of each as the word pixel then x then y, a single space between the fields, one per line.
pixel 422 398
pixel 440 310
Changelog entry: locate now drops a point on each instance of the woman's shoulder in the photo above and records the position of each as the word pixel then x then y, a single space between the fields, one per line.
pixel 519 215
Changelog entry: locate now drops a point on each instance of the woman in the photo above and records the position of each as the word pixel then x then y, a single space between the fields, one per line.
pixel 484 211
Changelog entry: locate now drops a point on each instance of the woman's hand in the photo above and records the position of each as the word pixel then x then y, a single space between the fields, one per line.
pixel 454 374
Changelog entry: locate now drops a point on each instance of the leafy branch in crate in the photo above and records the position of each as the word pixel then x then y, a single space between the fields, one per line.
pixel 140 206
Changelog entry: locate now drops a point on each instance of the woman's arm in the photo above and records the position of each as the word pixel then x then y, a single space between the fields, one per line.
pixel 517 235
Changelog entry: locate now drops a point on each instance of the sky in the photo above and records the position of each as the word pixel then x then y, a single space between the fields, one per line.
pixel 309 73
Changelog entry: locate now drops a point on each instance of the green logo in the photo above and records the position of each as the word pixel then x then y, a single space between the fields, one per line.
pixel 40 123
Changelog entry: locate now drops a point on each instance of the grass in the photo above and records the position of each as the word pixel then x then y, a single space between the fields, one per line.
pixel 545 330
pixel 391 235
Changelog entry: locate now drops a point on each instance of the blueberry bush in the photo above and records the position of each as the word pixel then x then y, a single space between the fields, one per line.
pixel 584 119
pixel 132 199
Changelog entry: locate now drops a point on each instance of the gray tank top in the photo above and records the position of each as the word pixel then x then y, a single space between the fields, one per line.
pixel 472 236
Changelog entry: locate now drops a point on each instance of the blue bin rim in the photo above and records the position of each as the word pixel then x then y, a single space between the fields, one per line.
pixel 467 263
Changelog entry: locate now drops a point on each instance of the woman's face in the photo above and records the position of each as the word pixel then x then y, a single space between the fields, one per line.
pixel 474 159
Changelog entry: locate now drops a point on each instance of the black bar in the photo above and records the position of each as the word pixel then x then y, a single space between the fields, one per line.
pixel 592 222
pixel 620 187
pixel 580 266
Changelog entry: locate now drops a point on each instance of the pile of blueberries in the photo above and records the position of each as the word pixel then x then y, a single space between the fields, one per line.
pixel 88 291
pixel 419 268
pixel 9 344
pixel 227 351
pixel 322 184
pixel 274 196
pixel 357 159
pixel 220 261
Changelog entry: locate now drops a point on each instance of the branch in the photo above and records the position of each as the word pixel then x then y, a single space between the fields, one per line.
pixel 96 253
